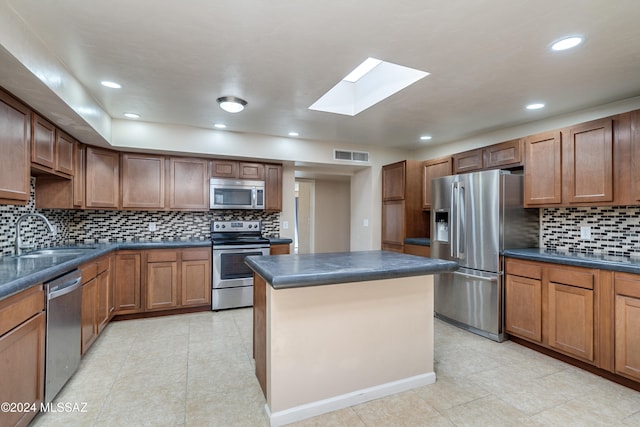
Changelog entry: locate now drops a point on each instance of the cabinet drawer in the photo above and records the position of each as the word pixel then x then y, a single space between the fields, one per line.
pixel 580 279
pixel 162 255
pixel 627 284
pixel 196 254
pixel 102 264
pixel 89 271
pixel 524 269
pixel 20 307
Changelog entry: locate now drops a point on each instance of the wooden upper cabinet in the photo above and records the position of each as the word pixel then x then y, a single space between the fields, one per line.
pixel 79 153
pixel 43 139
pixel 508 154
pixel 393 225
pixel 224 169
pixel 251 171
pixel 393 181
pixel 64 153
pixel 143 181
pixel 273 188
pixel 433 169
pixel 542 170
pixel 588 162
pixel 15 138
pixel 102 178
pixel 188 183
pixel 635 156
pixel 468 161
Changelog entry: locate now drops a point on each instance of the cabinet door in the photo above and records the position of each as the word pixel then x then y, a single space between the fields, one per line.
pixel 273 188
pixel 469 161
pixel 64 153
pixel 224 169
pixel 393 181
pixel 433 169
pixel 393 228
pixel 523 307
pixel 78 175
pixel 419 250
pixel 504 155
pixel 571 320
pixel 588 162
pixel 251 171
pixel 102 178
pixel 196 283
pixel 627 336
pixel 43 142
pixel 89 329
pixel 635 156
pixel 188 184
pixel 279 249
pixel 162 285
pixel 103 296
pixel 127 283
pixel 142 181
pixel 15 139
pixel 542 170
pixel 22 369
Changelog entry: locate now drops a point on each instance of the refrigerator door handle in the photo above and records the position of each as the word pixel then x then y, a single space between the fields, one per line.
pixel 452 228
pixel 460 218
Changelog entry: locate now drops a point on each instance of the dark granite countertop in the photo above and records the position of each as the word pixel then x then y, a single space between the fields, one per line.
pixel 294 271
pixel 279 240
pixel 18 274
pixel 578 259
pixel 420 241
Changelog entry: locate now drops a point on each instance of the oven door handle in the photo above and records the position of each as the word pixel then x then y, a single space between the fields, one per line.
pixel 239 248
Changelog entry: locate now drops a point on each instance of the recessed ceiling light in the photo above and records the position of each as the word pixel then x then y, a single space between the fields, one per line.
pixel 566 43
pixel 535 106
pixel 425 137
pixel 132 115
pixel 294 134
pixel 220 126
pixel 112 85
pixel 231 104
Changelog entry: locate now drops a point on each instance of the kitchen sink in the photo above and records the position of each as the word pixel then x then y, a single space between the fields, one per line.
pixel 56 252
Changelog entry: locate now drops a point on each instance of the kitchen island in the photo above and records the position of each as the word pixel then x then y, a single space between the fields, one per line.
pixel 334 330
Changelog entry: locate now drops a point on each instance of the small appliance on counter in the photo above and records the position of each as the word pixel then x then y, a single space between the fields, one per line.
pixel 475 217
pixel 232 279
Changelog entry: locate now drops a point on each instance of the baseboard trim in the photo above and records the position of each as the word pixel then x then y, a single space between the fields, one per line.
pixel 335 403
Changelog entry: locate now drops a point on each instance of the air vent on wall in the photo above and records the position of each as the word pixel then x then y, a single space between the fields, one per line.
pixel 353 156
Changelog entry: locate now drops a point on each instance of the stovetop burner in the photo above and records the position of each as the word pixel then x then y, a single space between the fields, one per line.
pixel 237 233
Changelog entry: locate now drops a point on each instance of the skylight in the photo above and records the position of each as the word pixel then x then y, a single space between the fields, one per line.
pixel 369 83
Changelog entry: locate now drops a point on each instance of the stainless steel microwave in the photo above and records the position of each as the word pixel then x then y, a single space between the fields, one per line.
pixel 236 194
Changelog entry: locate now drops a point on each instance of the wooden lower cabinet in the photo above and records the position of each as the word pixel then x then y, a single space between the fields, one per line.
pixel 195 281
pixel 89 331
pixel 22 350
pixel 97 299
pixel 162 280
pixel 627 325
pixel 279 249
pixel 556 306
pixel 523 316
pixel 418 250
pixel 127 282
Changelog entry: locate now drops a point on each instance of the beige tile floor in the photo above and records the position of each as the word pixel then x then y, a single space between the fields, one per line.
pixel 196 370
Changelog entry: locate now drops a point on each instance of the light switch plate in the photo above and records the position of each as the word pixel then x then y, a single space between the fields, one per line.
pixel 585 233
pixel 285 225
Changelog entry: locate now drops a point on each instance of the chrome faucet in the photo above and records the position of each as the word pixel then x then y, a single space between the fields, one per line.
pixel 18 245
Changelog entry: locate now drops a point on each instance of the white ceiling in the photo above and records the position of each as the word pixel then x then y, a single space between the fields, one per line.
pixel 487 59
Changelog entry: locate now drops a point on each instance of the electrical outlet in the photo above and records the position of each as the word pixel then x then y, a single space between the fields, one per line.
pixel 285 225
pixel 152 226
pixel 585 233
pixel 365 222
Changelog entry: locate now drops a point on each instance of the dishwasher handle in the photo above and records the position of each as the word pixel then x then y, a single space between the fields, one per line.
pixel 62 287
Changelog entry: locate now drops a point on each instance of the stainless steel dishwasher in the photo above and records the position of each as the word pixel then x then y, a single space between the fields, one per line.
pixel 62 351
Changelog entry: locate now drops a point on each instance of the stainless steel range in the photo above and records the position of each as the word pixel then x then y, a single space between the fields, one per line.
pixel 233 241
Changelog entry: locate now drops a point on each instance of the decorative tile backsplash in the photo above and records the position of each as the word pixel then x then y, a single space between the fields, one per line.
pixel 96 226
pixel 614 230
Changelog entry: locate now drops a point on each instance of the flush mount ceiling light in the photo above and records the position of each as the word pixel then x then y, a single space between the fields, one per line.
pixel 293 134
pixel 566 43
pixel 369 83
pixel 220 126
pixel 112 85
pixel 231 104
pixel 425 137
pixel 535 106
pixel 132 115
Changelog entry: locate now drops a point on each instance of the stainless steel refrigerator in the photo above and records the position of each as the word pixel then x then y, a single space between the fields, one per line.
pixel 474 217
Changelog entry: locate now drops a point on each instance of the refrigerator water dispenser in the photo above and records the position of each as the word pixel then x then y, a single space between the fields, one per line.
pixel 442 226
